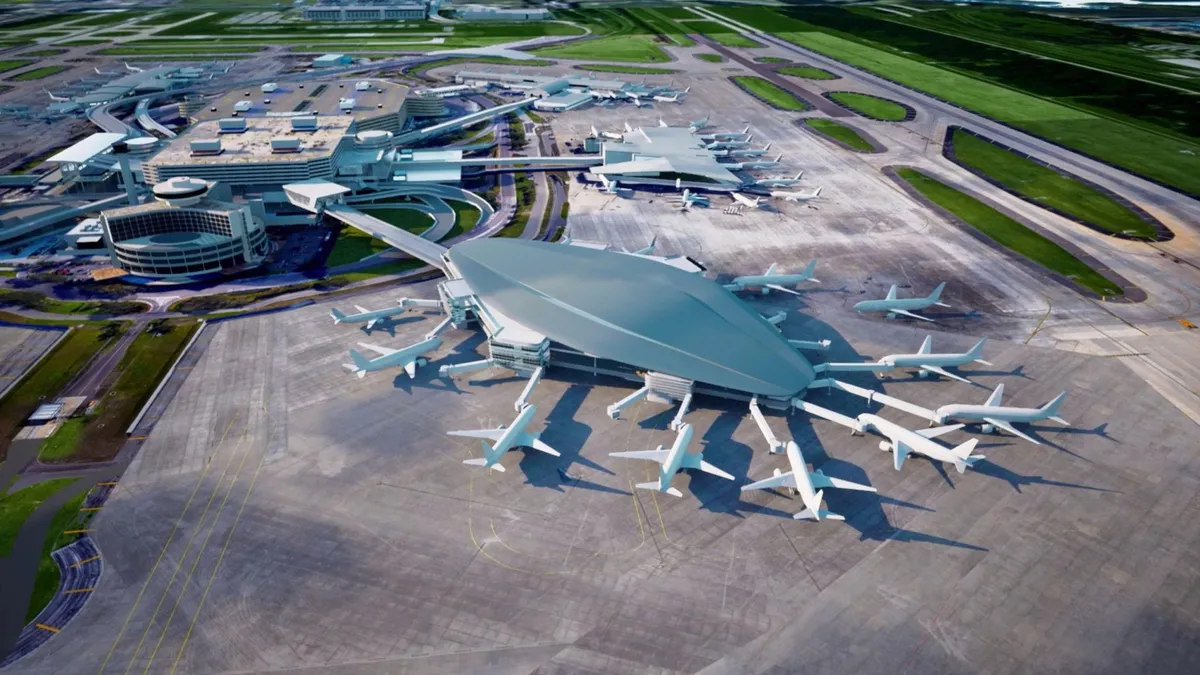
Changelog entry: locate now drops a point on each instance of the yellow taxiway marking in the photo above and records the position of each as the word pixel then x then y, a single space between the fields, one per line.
pixel 85 560
pixel 163 552
pixel 91 508
pixel 1186 324
pixel 75 531
pixel 78 590
pixel 43 626
pixel 110 482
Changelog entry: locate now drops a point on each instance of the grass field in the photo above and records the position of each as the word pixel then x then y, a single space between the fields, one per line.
pixel 870 106
pixel 770 92
pixel 807 72
pixel 629 70
pixel 45 584
pixel 13 64
pixel 655 21
pixel 1010 234
pixel 711 58
pixel 100 436
pixel 353 245
pixel 1049 188
pixel 840 132
pixel 182 50
pixel 771 59
pixel 721 35
pixel 36 301
pixel 629 48
pixel 41 52
pixel 16 507
pixel 1136 130
pixel 38 73
pixel 48 378
pixel 466 217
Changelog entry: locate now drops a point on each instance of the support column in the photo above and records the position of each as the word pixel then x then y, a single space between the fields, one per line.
pixel 684 406
pixel 456 368
pixel 614 410
pixel 533 380
pixel 772 441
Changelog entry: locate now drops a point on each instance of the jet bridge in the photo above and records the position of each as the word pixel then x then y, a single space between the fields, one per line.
pixel 459 122
pixel 872 396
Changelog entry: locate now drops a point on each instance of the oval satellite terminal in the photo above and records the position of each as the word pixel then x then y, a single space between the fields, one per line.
pixel 632 310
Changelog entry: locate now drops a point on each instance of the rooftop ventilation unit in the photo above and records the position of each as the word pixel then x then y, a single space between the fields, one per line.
pixel 346 104
pixel 362 85
pixel 207 146
pixel 232 125
pixel 306 123
pixel 282 145
pixel 243 106
pixel 269 87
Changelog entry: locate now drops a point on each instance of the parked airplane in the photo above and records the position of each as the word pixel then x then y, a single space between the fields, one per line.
pixel 750 152
pixel 672 462
pixel 99 72
pixel 761 164
pixel 729 144
pixel 610 185
pixel 770 280
pixel 628 129
pixel 505 439
pixel 780 181
pixel 995 416
pixel 796 196
pixel 811 486
pixel 610 135
pixel 902 441
pixel 697 125
pixel 893 305
pixel 372 317
pixel 927 362
pixel 57 99
pixel 663 124
pixel 132 69
pixel 689 199
pixel 674 98
pixel 752 203
pixel 637 101
pixel 408 358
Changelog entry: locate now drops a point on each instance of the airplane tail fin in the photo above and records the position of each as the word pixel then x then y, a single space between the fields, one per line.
pixel 977 351
pixel 996 397
pixel 936 295
pixel 653 485
pixel 337 315
pixel 964 456
pixel 360 361
pixel 821 514
pixel 770 270
pixel 798 176
pixel 1051 409
pixel 926 346
pixel 891 293
pixel 812 267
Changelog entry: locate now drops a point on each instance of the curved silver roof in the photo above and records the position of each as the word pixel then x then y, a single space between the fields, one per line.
pixel 633 310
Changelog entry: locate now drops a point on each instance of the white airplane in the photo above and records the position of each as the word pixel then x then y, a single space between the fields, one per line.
pixel 672 462
pixel 663 124
pixel 505 439
pixel 749 152
pixel 927 362
pixel 99 72
pixel 637 101
pixel 761 164
pixel 610 185
pixel 780 181
pixel 796 196
pixel 372 317
pixel 689 199
pixel 995 416
pixel 132 69
pixel 752 203
pixel 902 441
pixel 610 135
pixel 408 358
pixel 729 144
pixel 811 486
pixel 57 99
pixel 697 125
pixel 725 135
pixel 771 281
pixel 674 98
pixel 893 305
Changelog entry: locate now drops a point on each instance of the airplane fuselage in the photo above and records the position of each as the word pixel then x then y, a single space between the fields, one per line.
pixel 776 279
pixel 402 357
pixel 908 304
pixel 978 413
pixel 918 360
pixel 898 435
pixel 512 434
pixel 808 493
pixel 675 457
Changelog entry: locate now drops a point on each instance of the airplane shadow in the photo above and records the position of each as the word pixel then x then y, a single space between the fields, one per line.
pixel 427 378
pixel 659 420
pixel 566 434
pixel 714 493
pixel 1016 480
pixel 388 325
pixel 542 470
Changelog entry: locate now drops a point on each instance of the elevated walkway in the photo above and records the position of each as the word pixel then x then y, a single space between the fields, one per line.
pixel 460 122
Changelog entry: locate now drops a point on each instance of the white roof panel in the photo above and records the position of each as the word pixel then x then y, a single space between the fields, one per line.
pixel 87 148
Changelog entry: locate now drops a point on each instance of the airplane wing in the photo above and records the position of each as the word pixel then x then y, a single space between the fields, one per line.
pixel 490 434
pixel 362 310
pixel 945 373
pixel 777 287
pixel 787 480
pixel 371 324
pixel 899 452
pixel 938 431
pixel 378 349
pixel 911 314
pixel 820 481
pixel 709 468
pixel 1007 426
pixel 411 369
pixel 659 456
pixel 540 446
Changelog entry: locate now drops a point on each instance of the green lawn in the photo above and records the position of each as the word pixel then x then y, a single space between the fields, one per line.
pixel 630 48
pixel 45 584
pixel 654 21
pixel 870 106
pixel 770 92
pixel 48 378
pixel 1049 188
pixel 720 34
pixel 1010 233
pixel 711 58
pixel 771 59
pixel 39 73
pixel 629 70
pixel 807 72
pixel 13 64
pixel 62 444
pixel 1118 137
pixel 183 50
pixel 353 245
pixel 840 132
pixel 36 301
pixel 16 507
pixel 40 52
pixel 466 217
pixel 382 269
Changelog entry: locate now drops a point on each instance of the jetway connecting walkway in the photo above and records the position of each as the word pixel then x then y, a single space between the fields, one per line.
pixel 414 245
pixel 870 395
